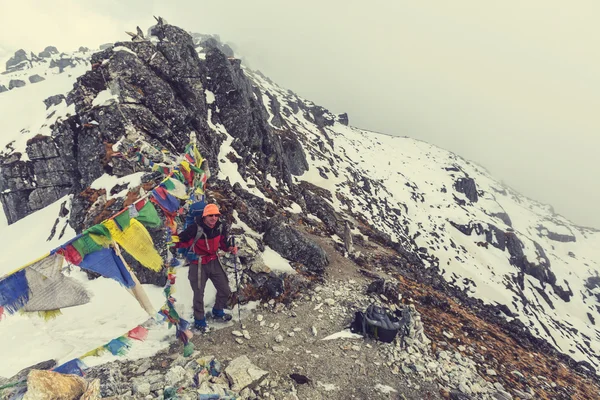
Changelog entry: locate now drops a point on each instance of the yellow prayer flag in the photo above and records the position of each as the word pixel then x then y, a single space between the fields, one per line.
pixel 198 157
pixel 136 240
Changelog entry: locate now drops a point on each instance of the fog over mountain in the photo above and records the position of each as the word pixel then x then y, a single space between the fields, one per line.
pixel 512 87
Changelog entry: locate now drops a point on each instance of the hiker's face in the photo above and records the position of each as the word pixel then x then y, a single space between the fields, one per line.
pixel 211 220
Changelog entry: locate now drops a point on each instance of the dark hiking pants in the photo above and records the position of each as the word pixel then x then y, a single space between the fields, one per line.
pixel 217 276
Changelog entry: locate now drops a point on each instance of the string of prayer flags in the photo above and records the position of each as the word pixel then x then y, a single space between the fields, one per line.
pixel 14 292
pixel 106 263
pixel 136 240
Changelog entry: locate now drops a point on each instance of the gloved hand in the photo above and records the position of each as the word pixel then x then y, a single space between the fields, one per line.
pixel 233 250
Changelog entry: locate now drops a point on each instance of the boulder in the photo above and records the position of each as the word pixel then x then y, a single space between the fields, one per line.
pixel 294 245
pixel 43 385
pixel 36 78
pixel 242 373
pixel 15 83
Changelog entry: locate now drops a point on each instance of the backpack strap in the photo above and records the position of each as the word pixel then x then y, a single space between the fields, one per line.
pixel 199 234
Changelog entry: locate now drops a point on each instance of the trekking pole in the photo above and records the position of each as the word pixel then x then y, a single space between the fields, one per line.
pixel 237 282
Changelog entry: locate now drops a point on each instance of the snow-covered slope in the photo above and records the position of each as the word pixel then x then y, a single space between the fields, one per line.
pixel 411 193
pixel 481 236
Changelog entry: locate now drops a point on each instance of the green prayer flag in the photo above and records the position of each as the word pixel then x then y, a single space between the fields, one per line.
pixel 123 219
pixel 148 216
pixel 168 184
pixel 99 229
pixel 86 245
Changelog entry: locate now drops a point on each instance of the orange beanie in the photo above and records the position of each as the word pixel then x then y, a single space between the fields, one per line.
pixel 211 209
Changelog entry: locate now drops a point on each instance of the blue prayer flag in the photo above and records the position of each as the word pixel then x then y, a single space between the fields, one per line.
pixel 108 264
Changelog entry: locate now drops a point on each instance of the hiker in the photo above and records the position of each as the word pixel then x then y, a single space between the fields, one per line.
pixel 205 237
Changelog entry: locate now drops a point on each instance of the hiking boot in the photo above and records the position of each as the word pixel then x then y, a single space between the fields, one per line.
pixel 220 315
pixel 201 325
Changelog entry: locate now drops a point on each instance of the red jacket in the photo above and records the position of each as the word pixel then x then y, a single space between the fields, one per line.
pixel 207 241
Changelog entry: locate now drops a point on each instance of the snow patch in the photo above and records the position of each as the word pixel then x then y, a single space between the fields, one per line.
pixel 276 262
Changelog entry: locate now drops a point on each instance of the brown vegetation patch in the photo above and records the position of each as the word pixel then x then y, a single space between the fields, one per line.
pixel 442 314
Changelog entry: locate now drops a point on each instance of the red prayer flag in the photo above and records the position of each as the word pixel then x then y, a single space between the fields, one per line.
pixel 138 333
pixel 71 254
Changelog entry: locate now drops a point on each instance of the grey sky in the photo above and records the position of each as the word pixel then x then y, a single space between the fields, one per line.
pixel 512 85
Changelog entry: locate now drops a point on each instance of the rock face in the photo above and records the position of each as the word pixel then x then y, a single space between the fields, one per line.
pixel 31 185
pixel 295 246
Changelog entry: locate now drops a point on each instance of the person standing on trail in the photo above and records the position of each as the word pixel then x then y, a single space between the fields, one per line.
pixel 205 237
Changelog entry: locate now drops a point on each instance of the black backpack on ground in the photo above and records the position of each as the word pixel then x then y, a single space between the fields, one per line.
pixel 380 323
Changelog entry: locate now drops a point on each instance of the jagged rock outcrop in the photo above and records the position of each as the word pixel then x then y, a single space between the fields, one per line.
pixel 48 52
pixel 295 246
pixel 245 118
pixel 17 62
pixel 62 63
pixel 214 43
